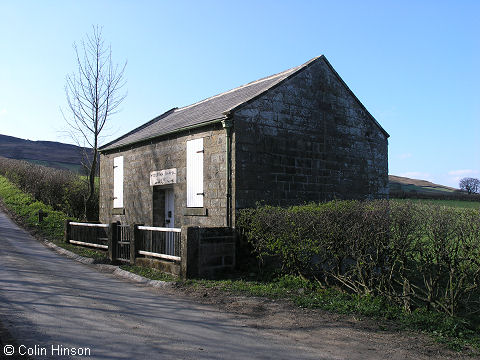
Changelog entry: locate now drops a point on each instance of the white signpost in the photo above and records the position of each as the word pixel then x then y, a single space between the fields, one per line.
pixel 163 177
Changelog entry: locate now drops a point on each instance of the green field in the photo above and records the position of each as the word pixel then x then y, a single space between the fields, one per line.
pixel 58 165
pixel 450 203
pixel 408 188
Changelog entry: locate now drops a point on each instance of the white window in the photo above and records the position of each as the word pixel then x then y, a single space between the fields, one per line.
pixel 118 182
pixel 195 173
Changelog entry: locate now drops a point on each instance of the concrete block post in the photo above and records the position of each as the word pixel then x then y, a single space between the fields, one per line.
pixel 190 247
pixel 66 231
pixel 112 242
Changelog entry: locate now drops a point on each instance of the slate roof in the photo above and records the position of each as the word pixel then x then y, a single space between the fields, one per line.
pixel 213 108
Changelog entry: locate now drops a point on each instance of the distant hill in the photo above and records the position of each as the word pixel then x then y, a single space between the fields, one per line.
pixel 48 153
pixel 399 184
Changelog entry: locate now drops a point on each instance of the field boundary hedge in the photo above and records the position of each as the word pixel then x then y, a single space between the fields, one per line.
pixel 417 255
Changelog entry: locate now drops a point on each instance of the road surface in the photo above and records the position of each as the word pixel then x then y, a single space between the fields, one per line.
pixel 53 306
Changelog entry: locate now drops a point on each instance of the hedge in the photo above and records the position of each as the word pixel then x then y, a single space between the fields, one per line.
pixel 62 190
pixel 415 254
pixel 25 206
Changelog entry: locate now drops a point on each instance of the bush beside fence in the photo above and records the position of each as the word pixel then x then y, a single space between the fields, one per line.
pixel 417 255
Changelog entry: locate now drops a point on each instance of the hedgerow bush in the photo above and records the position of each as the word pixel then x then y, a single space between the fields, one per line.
pixel 61 189
pixel 414 254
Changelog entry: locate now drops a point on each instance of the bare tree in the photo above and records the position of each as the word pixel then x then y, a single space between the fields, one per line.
pixel 470 185
pixel 94 93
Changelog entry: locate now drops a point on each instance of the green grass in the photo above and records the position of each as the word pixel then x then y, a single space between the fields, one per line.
pixel 448 203
pixel 425 189
pixel 149 273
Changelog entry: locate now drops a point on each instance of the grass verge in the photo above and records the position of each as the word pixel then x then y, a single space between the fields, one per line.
pixel 149 273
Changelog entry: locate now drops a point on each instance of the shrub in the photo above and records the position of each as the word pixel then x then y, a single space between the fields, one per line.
pixel 416 255
pixel 448 257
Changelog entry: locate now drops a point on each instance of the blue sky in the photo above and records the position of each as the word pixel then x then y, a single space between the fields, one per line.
pixel 413 64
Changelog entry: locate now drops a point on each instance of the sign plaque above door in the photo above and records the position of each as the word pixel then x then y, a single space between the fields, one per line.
pixel 163 177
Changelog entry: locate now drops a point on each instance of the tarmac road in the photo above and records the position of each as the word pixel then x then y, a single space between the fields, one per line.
pixel 51 304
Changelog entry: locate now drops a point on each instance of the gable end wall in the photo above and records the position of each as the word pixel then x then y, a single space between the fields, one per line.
pixel 308 140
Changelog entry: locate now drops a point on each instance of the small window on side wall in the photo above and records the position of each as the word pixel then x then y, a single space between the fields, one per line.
pixel 195 173
pixel 118 182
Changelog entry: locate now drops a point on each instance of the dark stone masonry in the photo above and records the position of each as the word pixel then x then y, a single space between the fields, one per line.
pixel 308 139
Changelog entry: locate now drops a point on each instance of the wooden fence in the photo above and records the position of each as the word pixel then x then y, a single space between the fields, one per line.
pixel 160 242
pixel 125 243
pixel 88 234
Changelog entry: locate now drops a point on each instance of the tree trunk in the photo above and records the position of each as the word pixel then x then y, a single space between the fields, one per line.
pixel 91 203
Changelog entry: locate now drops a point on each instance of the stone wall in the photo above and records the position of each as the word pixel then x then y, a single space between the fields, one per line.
pixel 307 140
pixel 166 153
pixel 207 252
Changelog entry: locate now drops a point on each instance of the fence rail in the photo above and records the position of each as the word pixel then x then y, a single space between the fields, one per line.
pixel 159 242
pixel 155 228
pixel 89 224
